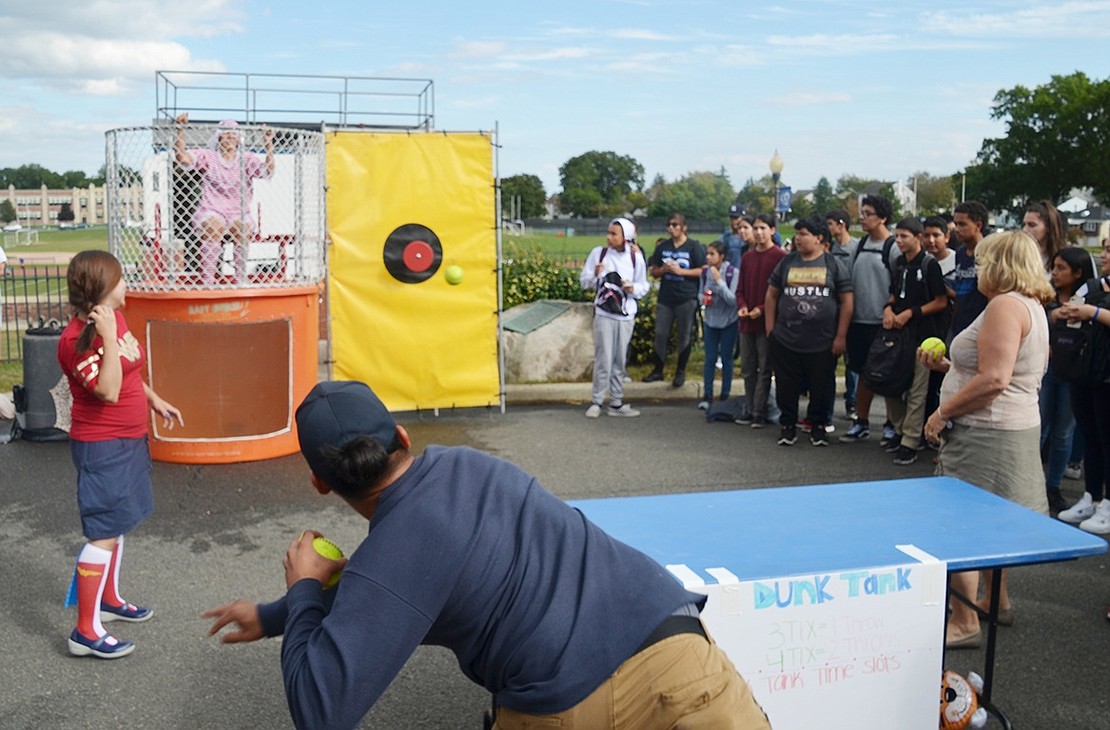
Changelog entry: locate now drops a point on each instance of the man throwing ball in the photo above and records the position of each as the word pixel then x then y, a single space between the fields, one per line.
pixel 466 551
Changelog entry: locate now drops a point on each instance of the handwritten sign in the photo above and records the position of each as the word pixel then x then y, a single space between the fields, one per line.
pixel 848 648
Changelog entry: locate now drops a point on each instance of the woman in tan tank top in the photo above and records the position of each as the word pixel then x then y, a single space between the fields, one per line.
pixel 988 422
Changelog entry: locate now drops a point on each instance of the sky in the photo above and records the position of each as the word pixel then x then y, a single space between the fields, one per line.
pixel 876 90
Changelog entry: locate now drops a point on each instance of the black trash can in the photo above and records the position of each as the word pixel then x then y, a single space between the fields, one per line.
pixel 40 415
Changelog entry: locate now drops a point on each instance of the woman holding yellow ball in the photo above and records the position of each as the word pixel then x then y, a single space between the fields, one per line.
pixel 988 422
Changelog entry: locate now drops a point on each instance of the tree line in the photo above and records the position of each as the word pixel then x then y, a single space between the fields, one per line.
pixel 32 177
pixel 1057 139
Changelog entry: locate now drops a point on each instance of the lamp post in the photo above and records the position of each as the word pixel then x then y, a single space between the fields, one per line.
pixel 776 172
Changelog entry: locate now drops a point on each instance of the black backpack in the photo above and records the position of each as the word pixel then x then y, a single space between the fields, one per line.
pixel 610 291
pixel 1081 355
pixel 890 361
pixel 887 245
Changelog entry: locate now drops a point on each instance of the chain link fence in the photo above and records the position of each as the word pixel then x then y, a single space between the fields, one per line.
pixel 30 296
pixel 216 206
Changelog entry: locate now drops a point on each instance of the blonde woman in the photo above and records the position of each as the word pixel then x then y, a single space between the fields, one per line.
pixel 988 422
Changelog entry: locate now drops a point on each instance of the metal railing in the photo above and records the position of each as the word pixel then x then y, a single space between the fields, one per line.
pixel 31 295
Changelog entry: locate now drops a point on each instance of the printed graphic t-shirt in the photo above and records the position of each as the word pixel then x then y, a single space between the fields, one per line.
pixel 93 419
pixel 809 301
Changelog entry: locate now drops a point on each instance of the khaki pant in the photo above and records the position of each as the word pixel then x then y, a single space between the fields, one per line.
pixel 683 682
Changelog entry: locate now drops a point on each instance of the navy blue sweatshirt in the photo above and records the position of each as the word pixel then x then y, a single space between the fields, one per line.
pixel 468 552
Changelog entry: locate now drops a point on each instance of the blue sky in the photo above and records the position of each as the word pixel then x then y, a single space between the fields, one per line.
pixel 836 86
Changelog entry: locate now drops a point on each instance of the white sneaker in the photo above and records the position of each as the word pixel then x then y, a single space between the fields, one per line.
pixel 1081 510
pixel 593 411
pixel 1099 522
pixel 703 405
pixel 625 411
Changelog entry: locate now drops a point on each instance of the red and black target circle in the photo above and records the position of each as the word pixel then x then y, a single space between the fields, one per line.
pixel 412 253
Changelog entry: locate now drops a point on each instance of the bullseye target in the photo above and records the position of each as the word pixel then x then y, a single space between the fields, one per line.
pixel 412 253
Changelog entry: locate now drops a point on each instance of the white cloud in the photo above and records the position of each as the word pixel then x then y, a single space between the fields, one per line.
pixel 477 49
pixel 1064 20
pixel 822 44
pixel 105 47
pixel 810 98
pixel 642 34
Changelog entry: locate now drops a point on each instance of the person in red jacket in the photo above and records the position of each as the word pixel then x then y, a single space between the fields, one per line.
pixel 103 362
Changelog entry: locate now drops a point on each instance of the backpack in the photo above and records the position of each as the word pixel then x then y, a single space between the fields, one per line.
pixel 725 410
pixel 610 290
pixel 933 325
pixel 1081 355
pixel 891 361
pixel 887 245
pixel 610 294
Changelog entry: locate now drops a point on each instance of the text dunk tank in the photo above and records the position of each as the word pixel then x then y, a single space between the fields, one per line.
pixel 236 224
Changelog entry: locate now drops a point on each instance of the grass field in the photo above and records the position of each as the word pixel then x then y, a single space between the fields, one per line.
pixel 67 241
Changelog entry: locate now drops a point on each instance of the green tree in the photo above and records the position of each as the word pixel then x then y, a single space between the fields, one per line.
pixel 599 184
pixel 529 189
pixel 65 213
pixel 757 196
pixel 934 193
pixel 1057 138
pixel 851 188
pixel 698 195
pixel 75 179
pixel 824 198
pixel 7 211
pixel 801 206
pixel 854 184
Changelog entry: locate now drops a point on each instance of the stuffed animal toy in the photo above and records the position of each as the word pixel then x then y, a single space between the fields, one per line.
pixel 959 701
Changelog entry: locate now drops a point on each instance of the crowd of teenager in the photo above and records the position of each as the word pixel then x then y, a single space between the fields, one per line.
pixel 787 314
pixel 993 376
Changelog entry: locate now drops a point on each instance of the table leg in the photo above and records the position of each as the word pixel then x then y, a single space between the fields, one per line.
pixel 991 618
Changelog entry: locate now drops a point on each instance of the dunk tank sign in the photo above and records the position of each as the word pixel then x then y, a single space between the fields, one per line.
pixel 850 648
pixel 403 209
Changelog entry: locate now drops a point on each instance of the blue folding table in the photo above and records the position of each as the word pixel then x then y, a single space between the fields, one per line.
pixel 781 531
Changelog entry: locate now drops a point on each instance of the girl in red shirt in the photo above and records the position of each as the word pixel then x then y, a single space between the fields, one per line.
pixel 103 362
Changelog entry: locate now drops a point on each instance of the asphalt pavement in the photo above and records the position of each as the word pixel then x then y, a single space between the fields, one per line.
pixel 219 533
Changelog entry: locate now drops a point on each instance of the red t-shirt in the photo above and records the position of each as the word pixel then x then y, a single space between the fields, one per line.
pixel 94 419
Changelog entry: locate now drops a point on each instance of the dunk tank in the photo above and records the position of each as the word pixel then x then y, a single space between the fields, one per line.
pixel 360 247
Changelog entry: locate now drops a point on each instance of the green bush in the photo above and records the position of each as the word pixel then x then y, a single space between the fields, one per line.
pixel 528 276
pixel 643 334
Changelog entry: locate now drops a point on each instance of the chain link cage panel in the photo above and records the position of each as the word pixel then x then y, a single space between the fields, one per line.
pixel 203 206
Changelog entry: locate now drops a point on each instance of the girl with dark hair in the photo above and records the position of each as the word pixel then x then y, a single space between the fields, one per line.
pixel 1042 223
pixel 103 362
pixel 718 284
pixel 1071 267
pixel 1091 406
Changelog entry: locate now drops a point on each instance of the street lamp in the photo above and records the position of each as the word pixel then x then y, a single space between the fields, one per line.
pixel 776 172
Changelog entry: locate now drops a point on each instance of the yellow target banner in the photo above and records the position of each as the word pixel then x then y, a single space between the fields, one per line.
pixel 412 267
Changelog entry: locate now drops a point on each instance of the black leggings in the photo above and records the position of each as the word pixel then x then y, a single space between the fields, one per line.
pixel 1091 406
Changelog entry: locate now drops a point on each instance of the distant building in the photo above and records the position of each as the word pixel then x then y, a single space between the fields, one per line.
pixel 39 208
pixel 1088 222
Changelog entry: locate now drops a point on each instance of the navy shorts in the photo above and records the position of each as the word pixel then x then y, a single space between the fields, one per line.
pixel 113 485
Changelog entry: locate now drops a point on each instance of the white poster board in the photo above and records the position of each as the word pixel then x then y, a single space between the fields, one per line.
pixel 851 648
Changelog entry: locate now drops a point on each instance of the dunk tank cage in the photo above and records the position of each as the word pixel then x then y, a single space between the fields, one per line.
pixel 230 315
